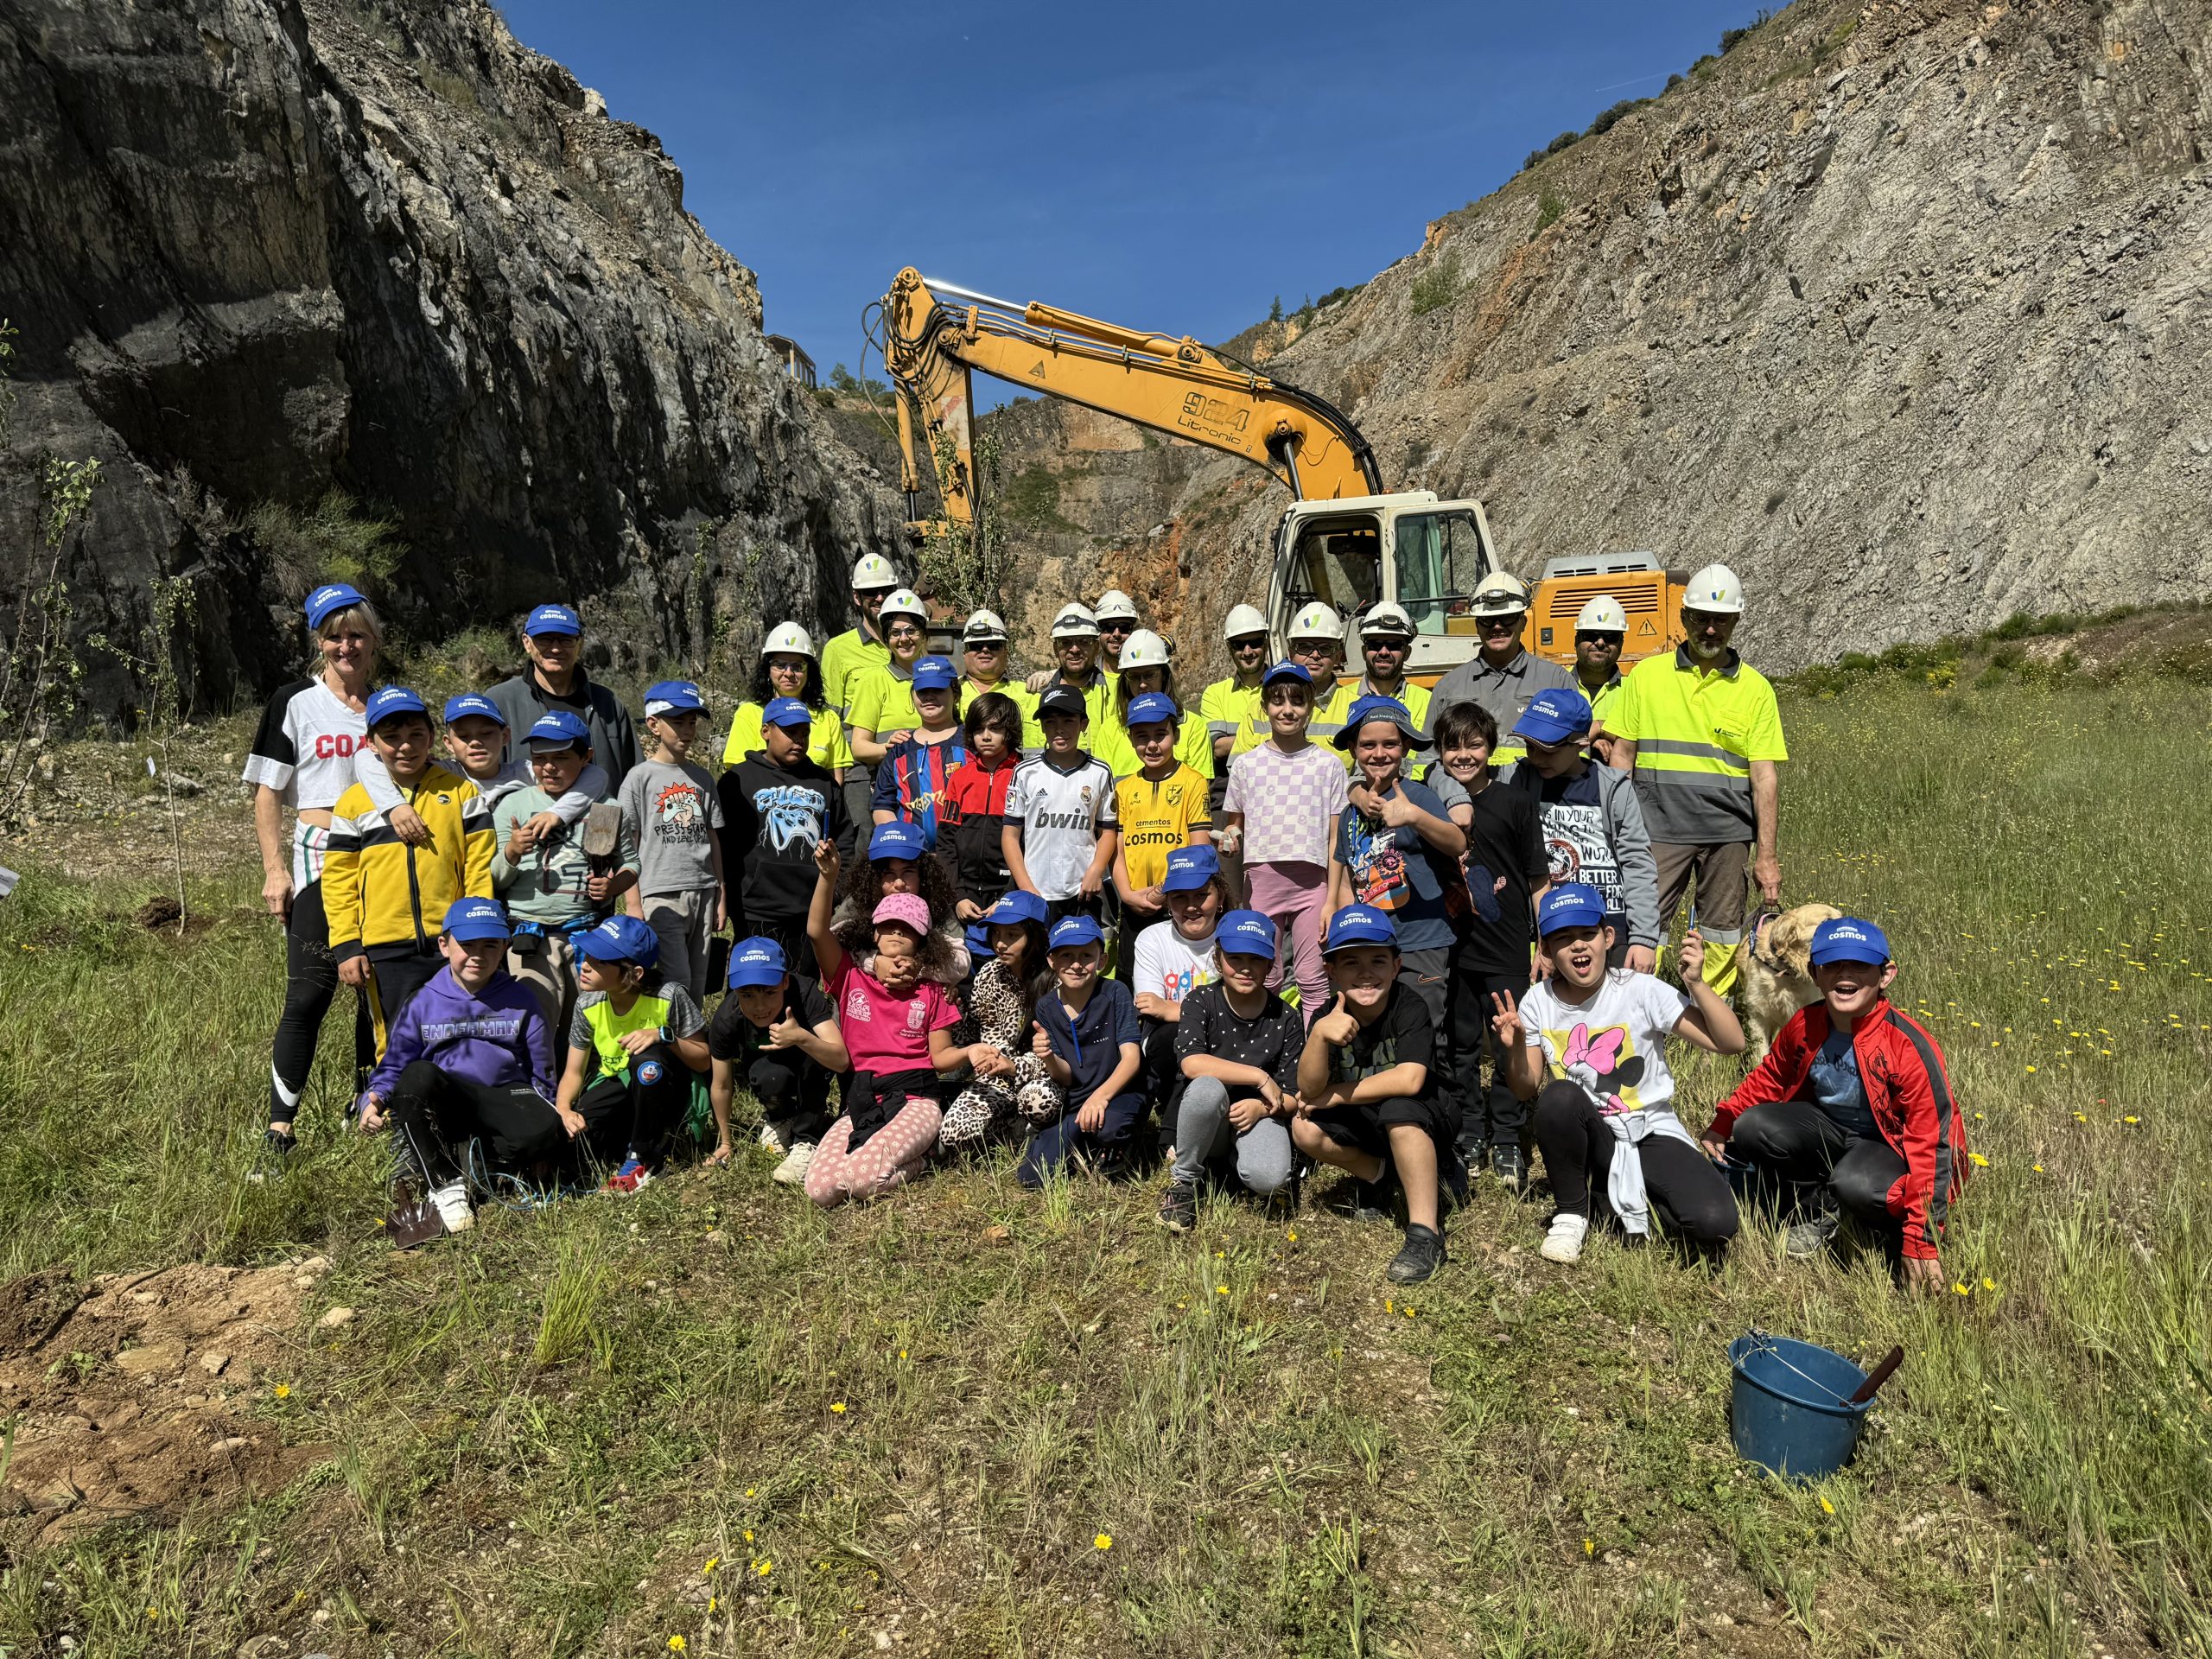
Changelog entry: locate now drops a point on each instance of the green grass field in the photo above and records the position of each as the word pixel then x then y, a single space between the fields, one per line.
pixel 971 1421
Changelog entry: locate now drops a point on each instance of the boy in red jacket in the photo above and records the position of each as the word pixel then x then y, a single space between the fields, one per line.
pixel 1852 1103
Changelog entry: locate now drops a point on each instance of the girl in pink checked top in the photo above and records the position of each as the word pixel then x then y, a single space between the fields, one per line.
pixel 1282 810
pixel 897 1021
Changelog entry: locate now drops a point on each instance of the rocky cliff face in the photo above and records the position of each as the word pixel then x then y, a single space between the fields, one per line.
pixel 1900 309
pixel 260 250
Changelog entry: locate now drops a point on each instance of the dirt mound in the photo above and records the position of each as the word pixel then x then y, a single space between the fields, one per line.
pixel 127 1393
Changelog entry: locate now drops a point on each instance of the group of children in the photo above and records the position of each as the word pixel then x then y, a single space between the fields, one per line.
pixel 1086 961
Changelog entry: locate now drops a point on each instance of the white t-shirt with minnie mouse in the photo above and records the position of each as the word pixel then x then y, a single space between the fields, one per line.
pixel 1614 1044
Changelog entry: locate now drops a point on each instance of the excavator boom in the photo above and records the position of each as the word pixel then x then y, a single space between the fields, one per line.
pixel 1174 386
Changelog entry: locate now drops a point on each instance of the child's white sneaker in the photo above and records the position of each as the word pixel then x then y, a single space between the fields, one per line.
pixel 792 1171
pixel 451 1201
pixel 771 1137
pixel 1564 1242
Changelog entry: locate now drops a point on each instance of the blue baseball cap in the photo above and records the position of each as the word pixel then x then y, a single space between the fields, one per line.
pixel 472 702
pixel 756 961
pixel 618 939
pixel 554 618
pixel 1076 930
pixel 1015 906
pixel 1359 925
pixel 1570 903
pixel 1246 933
pixel 934 674
pixel 1558 714
pixel 391 700
pixel 1849 939
pixel 331 596
pixel 476 918
pixel 1151 708
pixel 1286 672
pixel 558 730
pixel 897 839
pixel 1189 868
pixel 787 712
pixel 673 697
pixel 1376 706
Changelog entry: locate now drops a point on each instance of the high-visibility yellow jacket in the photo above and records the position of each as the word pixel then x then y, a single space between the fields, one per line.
pixel 825 740
pixel 1345 692
pixel 1697 730
pixel 1234 711
pixel 378 890
pixel 844 659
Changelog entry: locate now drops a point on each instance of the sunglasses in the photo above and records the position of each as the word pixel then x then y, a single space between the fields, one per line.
pixel 1117 627
pixel 1600 638
pixel 1313 648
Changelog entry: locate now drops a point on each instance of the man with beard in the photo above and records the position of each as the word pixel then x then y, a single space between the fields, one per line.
pixel 1702 733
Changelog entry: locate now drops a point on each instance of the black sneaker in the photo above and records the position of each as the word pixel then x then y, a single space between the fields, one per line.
pixel 1419 1257
pixel 1451 1180
pixel 1179 1208
pixel 1506 1163
pixel 279 1144
pixel 1808 1238
pixel 1358 1200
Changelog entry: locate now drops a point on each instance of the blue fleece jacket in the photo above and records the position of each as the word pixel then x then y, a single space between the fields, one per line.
pixel 497 1040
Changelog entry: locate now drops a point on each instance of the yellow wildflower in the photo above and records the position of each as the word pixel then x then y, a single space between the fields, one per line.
pixel 1103 1541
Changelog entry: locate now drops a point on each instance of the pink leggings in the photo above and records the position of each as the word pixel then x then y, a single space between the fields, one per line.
pixel 1295 898
pixel 895 1154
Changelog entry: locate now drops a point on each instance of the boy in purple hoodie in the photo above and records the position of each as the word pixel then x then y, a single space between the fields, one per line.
pixel 469 1058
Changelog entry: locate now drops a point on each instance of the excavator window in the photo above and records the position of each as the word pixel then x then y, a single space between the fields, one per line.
pixel 1340 564
pixel 1438 565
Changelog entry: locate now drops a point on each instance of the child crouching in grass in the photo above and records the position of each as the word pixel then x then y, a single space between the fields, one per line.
pixel 1239 1045
pixel 1606 1120
pixel 1851 1112
pixel 897 1019
pixel 470 1059
pixel 635 1043
pixel 1010 1082
pixel 1087 1038
pixel 779 1029
pixel 1368 1086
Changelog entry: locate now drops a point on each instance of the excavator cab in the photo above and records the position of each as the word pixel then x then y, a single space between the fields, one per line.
pixel 1439 552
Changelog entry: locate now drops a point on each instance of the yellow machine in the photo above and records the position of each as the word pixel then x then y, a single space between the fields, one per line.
pixel 1331 541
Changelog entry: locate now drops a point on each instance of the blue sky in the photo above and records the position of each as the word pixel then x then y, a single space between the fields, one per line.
pixel 1167 167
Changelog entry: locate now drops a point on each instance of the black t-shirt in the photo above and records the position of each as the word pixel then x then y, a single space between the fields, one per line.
pixel 773 816
pixel 731 1036
pixel 1402 1032
pixel 1505 838
pixel 1272 1042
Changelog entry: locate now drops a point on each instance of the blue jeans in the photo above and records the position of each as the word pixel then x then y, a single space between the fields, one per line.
pixel 1050 1148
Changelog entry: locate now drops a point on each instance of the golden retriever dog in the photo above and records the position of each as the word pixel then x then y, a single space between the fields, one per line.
pixel 1776 975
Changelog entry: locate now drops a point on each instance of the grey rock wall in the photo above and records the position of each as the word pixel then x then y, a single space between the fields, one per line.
pixel 260 249
pixel 1904 309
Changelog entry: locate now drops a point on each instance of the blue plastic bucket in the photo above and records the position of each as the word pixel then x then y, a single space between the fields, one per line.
pixel 1789 1411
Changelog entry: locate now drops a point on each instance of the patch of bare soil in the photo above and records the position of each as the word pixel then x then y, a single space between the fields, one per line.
pixel 126 1393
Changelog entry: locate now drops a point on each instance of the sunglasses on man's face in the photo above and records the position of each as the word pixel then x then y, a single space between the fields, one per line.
pixel 1116 627
pixel 1598 638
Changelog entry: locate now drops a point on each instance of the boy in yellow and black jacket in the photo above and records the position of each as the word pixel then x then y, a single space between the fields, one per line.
pixel 386 900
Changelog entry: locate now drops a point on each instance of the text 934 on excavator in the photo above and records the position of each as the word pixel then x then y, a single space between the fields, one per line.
pixel 1343 539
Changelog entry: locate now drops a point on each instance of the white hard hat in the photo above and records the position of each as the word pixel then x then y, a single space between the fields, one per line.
pixel 1715 589
pixel 1075 621
pixel 1316 621
pixel 1389 617
pixel 1500 593
pixel 1144 649
pixel 1243 619
pixel 1115 604
pixel 1603 615
pixel 874 571
pixel 904 602
pixel 984 624
pixel 790 637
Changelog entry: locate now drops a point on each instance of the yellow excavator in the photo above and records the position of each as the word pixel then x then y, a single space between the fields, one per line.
pixel 1332 541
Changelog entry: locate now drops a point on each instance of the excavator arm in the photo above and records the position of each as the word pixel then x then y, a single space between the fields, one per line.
pixel 1174 386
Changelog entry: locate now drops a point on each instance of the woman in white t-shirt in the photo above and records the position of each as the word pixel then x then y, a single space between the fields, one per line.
pixel 1174 958
pixel 1604 1119
pixel 302 758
